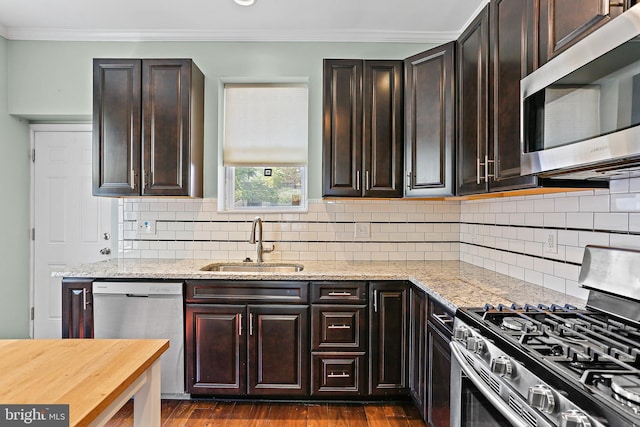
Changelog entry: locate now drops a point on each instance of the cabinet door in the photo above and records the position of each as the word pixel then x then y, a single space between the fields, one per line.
pixel 167 90
pixel 116 127
pixel 438 378
pixel 279 350
pixel 216 350
pixel 418 350
pixel 77 308
pixel 565 22
pixel 382 138
pixel 430 121
pixel 342 128
pixel 472 138
pixel 508 66
pixel 388 312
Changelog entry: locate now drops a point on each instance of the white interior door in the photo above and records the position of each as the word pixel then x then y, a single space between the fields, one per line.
pixel 71 225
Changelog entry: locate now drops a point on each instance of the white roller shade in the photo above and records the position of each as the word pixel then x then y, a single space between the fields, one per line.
pixel 265 125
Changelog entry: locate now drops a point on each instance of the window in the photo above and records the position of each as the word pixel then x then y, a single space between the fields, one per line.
pixel 264 151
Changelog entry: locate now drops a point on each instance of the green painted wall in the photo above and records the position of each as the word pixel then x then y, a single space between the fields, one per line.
pixel 14 215
pixel 52 80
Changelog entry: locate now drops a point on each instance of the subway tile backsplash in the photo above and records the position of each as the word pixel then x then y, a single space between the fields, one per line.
pixel 509 235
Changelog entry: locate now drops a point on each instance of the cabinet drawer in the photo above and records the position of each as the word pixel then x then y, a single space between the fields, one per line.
pixel 338 328
pixel 440 317
pixel 339 292
pixel 338 373
pixel 210 291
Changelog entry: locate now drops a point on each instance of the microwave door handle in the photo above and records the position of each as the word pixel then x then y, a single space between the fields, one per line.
pixel 474 377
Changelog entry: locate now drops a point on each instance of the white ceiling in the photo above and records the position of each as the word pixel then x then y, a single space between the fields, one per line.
pixel 421 21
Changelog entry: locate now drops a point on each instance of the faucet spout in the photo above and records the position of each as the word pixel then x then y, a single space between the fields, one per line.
pixel 260 249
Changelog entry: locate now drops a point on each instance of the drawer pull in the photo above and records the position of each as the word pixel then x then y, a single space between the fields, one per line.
pixel 339 294
pixel 444 319
pixel 339 327
pixel 341 375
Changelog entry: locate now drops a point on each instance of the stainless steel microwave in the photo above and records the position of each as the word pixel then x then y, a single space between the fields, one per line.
pixel 580 112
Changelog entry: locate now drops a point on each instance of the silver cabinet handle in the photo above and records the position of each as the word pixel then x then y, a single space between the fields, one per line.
pixel 341 375
pixel 409 180
pixel 339 294
pixel 486 164
pixel 239 321
pixel 251 324
pixel 357 180
pixel 366 180
pixel 375 300
pixel 339 327
pixel 444 319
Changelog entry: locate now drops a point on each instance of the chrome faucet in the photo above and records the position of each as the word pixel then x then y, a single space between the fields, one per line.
pixel 257 223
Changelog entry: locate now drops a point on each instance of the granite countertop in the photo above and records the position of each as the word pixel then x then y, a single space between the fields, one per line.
pixel 453 283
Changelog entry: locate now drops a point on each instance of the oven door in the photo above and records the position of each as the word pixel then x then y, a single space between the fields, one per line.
pixel 473 402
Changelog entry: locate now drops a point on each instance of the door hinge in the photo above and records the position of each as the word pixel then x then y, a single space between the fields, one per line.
pixel 33 234
pixel 33 310
pixel 33 155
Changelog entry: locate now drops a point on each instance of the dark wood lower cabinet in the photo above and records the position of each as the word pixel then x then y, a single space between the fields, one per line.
pixel 438 379
pixel 388 340
pixel 418 362
pixel 364 342
pixel 278 350
pixel 216 349
pixel 77 308
pixel 439 331
pixel 239 350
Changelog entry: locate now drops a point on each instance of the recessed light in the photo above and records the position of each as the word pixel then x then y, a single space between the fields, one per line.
pixel 245 2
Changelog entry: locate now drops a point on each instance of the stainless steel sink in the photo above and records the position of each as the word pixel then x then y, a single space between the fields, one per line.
pixel 253 267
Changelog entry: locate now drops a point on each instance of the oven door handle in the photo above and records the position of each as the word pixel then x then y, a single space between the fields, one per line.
pixel 497 403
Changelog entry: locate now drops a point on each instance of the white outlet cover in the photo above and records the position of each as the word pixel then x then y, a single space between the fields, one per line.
pixel 551 242
pixel 363 230
pixel 146 227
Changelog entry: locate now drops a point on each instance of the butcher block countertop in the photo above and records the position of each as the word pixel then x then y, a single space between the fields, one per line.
pixel 453 283
pixel 88 375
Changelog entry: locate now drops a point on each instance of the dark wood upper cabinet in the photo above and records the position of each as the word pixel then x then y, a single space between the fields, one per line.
pixel 562 23
pixel 429 126
pixel 508 33
pixel 492 58
pixel 148 127
pixel 472 102
pixel 362 128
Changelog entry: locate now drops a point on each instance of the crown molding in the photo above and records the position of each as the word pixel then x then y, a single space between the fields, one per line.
pixel 373 36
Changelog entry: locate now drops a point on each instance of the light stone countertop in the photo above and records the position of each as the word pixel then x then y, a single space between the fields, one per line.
pixel 453 283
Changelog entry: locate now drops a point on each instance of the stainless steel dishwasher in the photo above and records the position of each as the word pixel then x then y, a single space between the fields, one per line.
pixel 145 310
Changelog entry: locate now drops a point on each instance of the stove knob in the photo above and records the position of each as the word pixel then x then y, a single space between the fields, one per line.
pixel 574 418
pixel 461 333
pixel 502 366
pixel 541 397
pixel 476 345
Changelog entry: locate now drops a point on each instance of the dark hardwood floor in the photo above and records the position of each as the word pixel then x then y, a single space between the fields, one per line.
pixel 178 413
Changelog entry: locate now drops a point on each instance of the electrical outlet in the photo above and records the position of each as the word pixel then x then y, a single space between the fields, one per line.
pixel 363 229
pixel 146 227
pixel 551 242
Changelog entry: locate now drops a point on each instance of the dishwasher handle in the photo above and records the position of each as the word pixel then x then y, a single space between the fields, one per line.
pixel 137 295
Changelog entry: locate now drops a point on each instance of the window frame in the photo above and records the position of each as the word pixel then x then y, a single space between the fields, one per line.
pixel 226 185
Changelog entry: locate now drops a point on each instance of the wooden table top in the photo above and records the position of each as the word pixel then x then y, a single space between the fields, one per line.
pixel 86 374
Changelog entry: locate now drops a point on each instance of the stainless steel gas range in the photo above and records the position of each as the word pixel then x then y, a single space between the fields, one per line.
pixel 557 365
